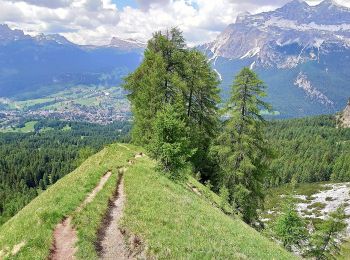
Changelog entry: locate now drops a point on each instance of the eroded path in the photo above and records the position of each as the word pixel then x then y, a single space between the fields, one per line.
pixel 65 235
pixel 65 238
pixel 112 244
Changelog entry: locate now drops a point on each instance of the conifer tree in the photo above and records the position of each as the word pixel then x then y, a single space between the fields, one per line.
pixel 242 149
pixel 201 96
pixel 326 240
pixel 170 144
pixel 173 75
pixel 156 82
pixel 290 227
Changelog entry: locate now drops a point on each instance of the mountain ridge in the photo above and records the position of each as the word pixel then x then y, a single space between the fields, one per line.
pixel 34 66
pixel 301 52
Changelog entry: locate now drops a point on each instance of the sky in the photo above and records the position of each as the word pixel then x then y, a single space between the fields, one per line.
pixel 97 21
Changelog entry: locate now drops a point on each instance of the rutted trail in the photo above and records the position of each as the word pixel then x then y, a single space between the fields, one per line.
pixel 65 236
pixel 111 244
pixel 98 188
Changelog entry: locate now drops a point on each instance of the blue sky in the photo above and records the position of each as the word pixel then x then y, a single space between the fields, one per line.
pixel 123 3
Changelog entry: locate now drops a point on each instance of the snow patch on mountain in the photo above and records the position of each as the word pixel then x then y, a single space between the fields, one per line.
pixel 251 53
pixel 127 44
pixel 270 36
pixel 303 82
pixel 294 25
pixel 217 72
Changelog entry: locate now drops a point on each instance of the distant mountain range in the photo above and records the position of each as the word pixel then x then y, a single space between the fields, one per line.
pixel 302 52
pixel 36 66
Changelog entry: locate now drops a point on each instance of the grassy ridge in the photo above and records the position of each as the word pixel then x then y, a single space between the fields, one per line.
pixel 35 223
pixel 87 221
pixel 176 223
pixel 171 219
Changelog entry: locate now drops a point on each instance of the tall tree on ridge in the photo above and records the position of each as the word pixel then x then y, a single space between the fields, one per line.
pixel 173 75
pixel 242 149
pixel 201 96
pixel 156 82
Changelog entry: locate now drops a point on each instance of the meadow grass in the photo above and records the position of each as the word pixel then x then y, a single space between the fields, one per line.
pixel 33 226
pixel 172 220
pixel 28 128
pixel 176 223
pixel 344 251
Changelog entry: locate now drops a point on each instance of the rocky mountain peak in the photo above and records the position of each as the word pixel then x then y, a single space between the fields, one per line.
pixel 7 34
pixel 52 37
pixel 127 44
pixel 329 4
pixel 296 23
pixel 298 4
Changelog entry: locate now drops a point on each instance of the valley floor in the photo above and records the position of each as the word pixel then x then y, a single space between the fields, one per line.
pixel 314 202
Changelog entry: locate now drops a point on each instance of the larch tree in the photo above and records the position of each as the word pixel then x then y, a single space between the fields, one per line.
pixel 201 96
pixel 156 82
pixel 172 75
pixel 326 241
pixel 241 147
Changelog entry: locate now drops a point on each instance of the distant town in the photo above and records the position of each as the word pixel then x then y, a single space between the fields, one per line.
pixel 95 105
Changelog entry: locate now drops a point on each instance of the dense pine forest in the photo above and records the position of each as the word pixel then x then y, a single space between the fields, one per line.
pixel 308 150
pixel 30 162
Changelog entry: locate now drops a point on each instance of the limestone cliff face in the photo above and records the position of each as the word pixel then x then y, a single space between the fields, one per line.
pixel 344 118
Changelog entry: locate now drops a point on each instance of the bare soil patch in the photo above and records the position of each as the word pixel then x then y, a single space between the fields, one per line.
pixel 111 242
pixel 65 235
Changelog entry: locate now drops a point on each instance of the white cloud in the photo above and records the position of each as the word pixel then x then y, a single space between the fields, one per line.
pixel 46 3
pixel 97 21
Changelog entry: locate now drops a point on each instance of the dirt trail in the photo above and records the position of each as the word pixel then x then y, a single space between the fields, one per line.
pixel 65 236
pixel 124 146
pixel 97 189
pixel 112 245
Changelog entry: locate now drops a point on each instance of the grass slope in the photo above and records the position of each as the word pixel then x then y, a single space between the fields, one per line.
pixel 33 225
pixel 173 221
pixel 176 223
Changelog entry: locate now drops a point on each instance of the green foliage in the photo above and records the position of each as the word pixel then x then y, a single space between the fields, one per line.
pixel 241 147
pixel 170 144
pixel 173 75
pixel 308 150
pixel 325 242
pixel 33 161
pixel 201 97
pixel 290 227
pixel 156 82
pixel 177 223
pixel 224 198
pixel 34 224
pixel 83 154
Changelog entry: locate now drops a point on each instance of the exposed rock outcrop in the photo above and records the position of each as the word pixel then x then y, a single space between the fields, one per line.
pixel 344 117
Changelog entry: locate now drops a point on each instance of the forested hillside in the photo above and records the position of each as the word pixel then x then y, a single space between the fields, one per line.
pixel 309 150
pixel 30 162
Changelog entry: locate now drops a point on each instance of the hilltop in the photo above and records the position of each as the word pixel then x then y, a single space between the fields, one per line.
pixel 161 218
